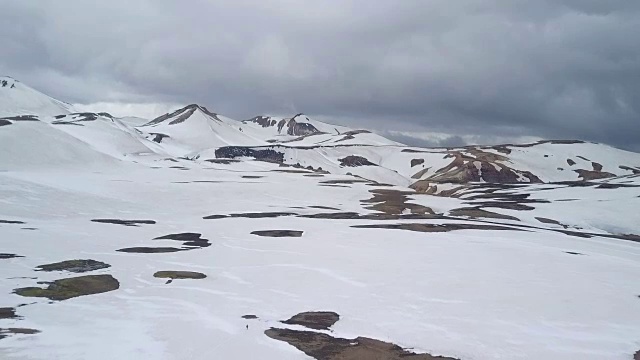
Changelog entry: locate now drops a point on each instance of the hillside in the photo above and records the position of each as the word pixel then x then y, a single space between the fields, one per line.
pixel 196 236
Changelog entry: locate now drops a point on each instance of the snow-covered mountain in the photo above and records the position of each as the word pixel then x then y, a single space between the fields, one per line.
pixel 17 98
pixel 193 235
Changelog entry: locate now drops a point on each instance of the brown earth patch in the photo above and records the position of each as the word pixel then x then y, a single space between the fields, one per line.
pixel 278 233
pixel 64 289
pixel 345 182
pixel 9 256
pixel 11 222
pixel 222 161
pixel 476 212
pixel 508 205
pixel 189 240
pixel 596 166
pixel 292 171
pixel 75 266
pixel 6 332
pixel 628 168
pixel 354 160
pixel 317 320
pixel 179 275
pixel 150 250
pixel 593 175
pixel 436 228
pixel 324 347
pixel 8 313
pixel 257 215
pixel 550 221
pixel 124 222
pixel 394 202
pixel 322 207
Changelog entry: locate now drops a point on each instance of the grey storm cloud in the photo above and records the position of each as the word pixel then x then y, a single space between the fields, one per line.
pixel 545 68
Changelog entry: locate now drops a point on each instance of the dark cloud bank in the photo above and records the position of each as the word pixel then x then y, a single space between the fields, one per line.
pixel 512 68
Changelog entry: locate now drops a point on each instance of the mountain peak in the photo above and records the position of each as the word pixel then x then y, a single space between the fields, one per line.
pixel 182 115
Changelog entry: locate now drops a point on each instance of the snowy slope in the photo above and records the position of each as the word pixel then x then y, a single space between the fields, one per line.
pixel 17 98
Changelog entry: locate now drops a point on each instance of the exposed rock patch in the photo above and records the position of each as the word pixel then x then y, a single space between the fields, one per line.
pixel 8 313
pixel 12 222
pixel 476 212
pixel 317 320
pixel 324 347
pixel 6 332
pixel 266 154
pixel 150 250
pixel 9 256
pixel 573 253
pixel 190 240
pixel 436 228
pixel 64 289
pixel 390 201
pixel 257 215
pixel 354 161
pixel 571 162
pixel 416 162
pixel 593 175
pixel 4 122
pixel 124 222
pixel 249 317
pixel 75 266
pixel 179 275
pixel 278 233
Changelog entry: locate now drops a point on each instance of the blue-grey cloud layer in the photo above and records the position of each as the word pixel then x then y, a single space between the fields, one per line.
pixel 549 68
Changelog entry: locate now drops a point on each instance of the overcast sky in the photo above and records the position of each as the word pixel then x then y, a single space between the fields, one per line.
pixel 424 71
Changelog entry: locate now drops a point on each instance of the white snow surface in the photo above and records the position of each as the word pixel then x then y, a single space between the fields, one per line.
pixel 520 293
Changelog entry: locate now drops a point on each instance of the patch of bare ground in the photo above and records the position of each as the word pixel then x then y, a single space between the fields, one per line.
pixel 354 161
pixel 9 256
pixel 573 253
pixel 313 175
pixel 170 274
pixel 416 162
pixel 150 250
pixel 252 177
pixel 75 266
pixel 476 212
pixel 629 168
pixel 390 201
pixel 335 186
pixel 124 222
pixel 508 205
pixel 189 239
pixel 436 228
pixel 8 313
pixel 64 289
pixel 292 171
pixel 550 221
pixel 317 320
pixel 325 347
pixel 278 233
pixel 11 222
pixel 593 175
pixel 257 215
pixel 6 332
pixel 222 161
pixel 345 182
pixel 323 207
pixel 571 162
pixel 636 356
pixel 249 317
